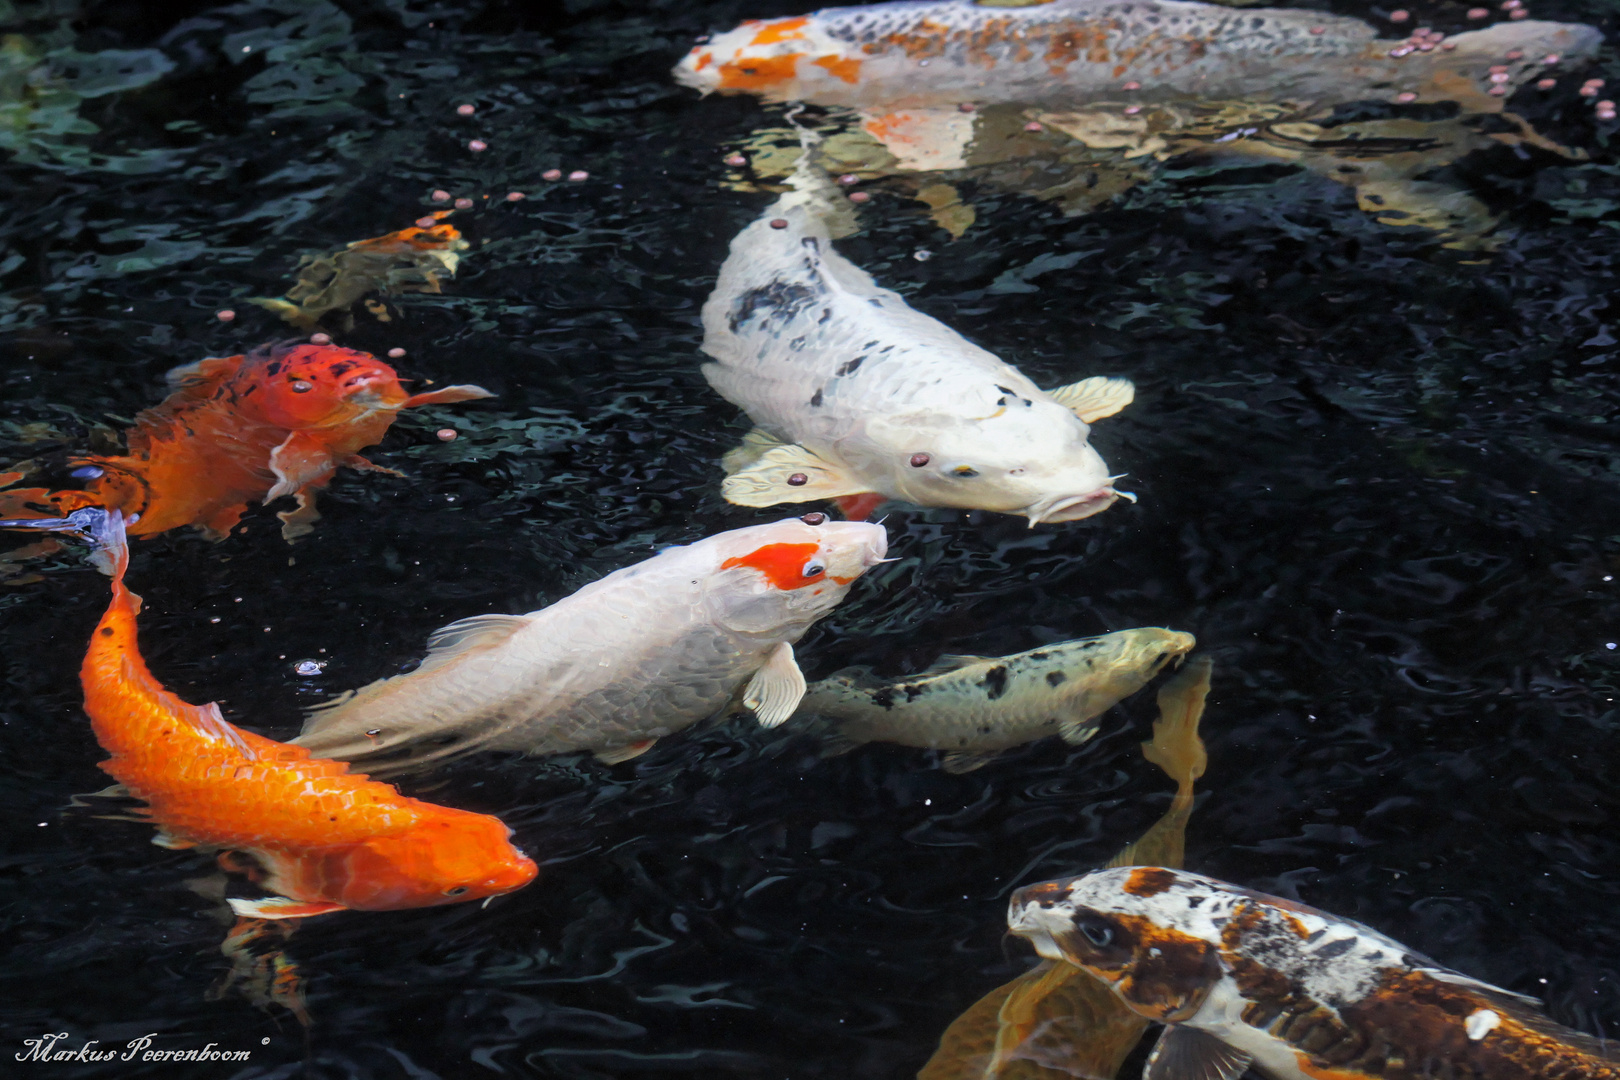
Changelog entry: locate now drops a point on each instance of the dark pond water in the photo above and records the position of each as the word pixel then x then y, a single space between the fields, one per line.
pixel 1379 479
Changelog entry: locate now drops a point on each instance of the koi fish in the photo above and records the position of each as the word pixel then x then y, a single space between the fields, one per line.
pixel 1056 1021
pixel 417 259
pixel 974 707
pixel 323 838
pixel 641 654
pixel 1241 978
pixel 860 398
pixel 239 429
pixel 901 60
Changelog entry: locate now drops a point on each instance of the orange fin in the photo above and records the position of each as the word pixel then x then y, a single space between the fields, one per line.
pixel 280 907
pixel 624 753
pixel 355 461
pixel 449 395
pixel 860 507
pixel 302 464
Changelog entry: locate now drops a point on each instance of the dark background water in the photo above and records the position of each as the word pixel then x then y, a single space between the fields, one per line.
pixel 1379 479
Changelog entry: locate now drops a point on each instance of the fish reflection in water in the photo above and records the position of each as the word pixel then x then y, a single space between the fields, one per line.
pixel 1056 1021
pixel 974 707
pixel 416 259
pixel 1269 87
pixel 261 970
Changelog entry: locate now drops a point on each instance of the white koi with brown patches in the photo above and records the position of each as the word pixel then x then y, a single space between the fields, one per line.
pixel 642 653
pixel 1243 978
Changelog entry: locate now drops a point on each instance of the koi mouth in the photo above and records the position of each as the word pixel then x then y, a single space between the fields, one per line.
pixel 1075 507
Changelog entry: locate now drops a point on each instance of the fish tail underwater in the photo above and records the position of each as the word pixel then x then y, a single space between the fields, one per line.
pixel 467 368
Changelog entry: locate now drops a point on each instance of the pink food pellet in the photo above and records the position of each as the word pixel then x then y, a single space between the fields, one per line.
pixel 477 145
pixel 426 222
pixel 1405 96
pixel 225 315
pixel 1516 54
pixel 441 195
pixel 1606 115
pixel 1449 46
pixel 395 353
pixel 465 110
pixel 1518 13
pixel 515 196
pixel 1588 91
pixel 1427 46
pixel 1509 5
pixel 551 174
pixel 1132 86
pixel 1132 110
pixel 1546 84
pixel 1034 125
pixel 1605 106
pixel 579 174
pixel 1500 77
pixel 859 196
pixel 1550 58
pixel 1593 82
pixel 779 223
pixel 1497 69
pixel 1399 16
pixel 464 204
pixel 736 161
pixel 446 434
pixel 849 178
pixel 1478 13
pixel 966 106
pixel 320 339
pixel 1497 91
pixel 1318 29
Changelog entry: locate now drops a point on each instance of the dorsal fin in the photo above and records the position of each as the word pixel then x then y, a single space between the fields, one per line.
pixel 201 376
pixel 452 642
pixel 947 663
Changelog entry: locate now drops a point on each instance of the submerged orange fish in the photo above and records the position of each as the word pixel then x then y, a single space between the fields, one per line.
pixel 325 839
pixel 236 430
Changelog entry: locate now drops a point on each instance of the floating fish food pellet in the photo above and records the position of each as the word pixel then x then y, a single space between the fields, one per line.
pixel 465 110
pixel 551 174
pixel 860 196
pixel 441 196
pixel 320 339
pixel 464 204
pixel 736 161
pixel 815 517
pixel 477 145
pixel 798 479
pixel 446 434
pixel 395 353
pixel 515 196
pixel 579 174
pixel 225 315
pixel 778 223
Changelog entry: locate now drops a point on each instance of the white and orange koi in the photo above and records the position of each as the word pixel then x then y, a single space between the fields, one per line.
pixel 643 653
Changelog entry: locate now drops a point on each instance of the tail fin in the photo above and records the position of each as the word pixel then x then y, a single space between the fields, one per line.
pixel 813 189
pixel 103 529
pixel 1176 747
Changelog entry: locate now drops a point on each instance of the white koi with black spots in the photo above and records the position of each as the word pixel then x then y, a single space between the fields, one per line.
pixel 974 707
pixel 856 394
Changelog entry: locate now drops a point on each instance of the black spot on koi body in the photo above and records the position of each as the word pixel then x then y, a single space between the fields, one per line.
pixel 995 681
pixel 273 368
pixel 826 314
pixel 815 399
pixel 884 699
pixel 797 343
pixel 1056 678
pixel 870 345
pixel 1039 655
pixel 913 691
pixel 812 243
pixel 1335 948
pixel 850 367
pixel 106 631
pixel 342 367
pixel 780 300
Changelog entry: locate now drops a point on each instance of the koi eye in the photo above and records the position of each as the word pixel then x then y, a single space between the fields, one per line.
pixel 455 890
pixel 919 460
pixel 1097 932
pixel 813 569
pixel 964 471
pixel 299 386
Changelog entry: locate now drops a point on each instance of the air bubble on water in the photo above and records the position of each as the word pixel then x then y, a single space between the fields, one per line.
pixel 310 667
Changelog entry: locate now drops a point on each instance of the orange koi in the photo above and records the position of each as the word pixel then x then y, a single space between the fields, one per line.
pixel 236 430
pixel 325 839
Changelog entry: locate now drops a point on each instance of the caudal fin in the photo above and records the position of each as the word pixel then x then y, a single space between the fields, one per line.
pixel 103 529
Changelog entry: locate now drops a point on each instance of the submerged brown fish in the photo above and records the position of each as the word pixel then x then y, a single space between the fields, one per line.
pixel 1056 1022
pixel 1240 978
pixel 974 707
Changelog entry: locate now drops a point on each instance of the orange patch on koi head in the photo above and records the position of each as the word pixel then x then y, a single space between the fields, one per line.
pixel 840 68
pixel 785 566
pixel 758 73
pixel 1149 881
pixel 781 30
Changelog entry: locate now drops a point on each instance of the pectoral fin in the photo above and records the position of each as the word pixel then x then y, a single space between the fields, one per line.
pixel 776 689
pixel 755 445
pixel 789 473
pixel 835 743
pixel 1078 729
pixel 164 840
pixel 448 396
pixel 301 464
pixel 963 761
pixel 1184 1053
pixel 1094 398
pixel 624 753
pixel 280 907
